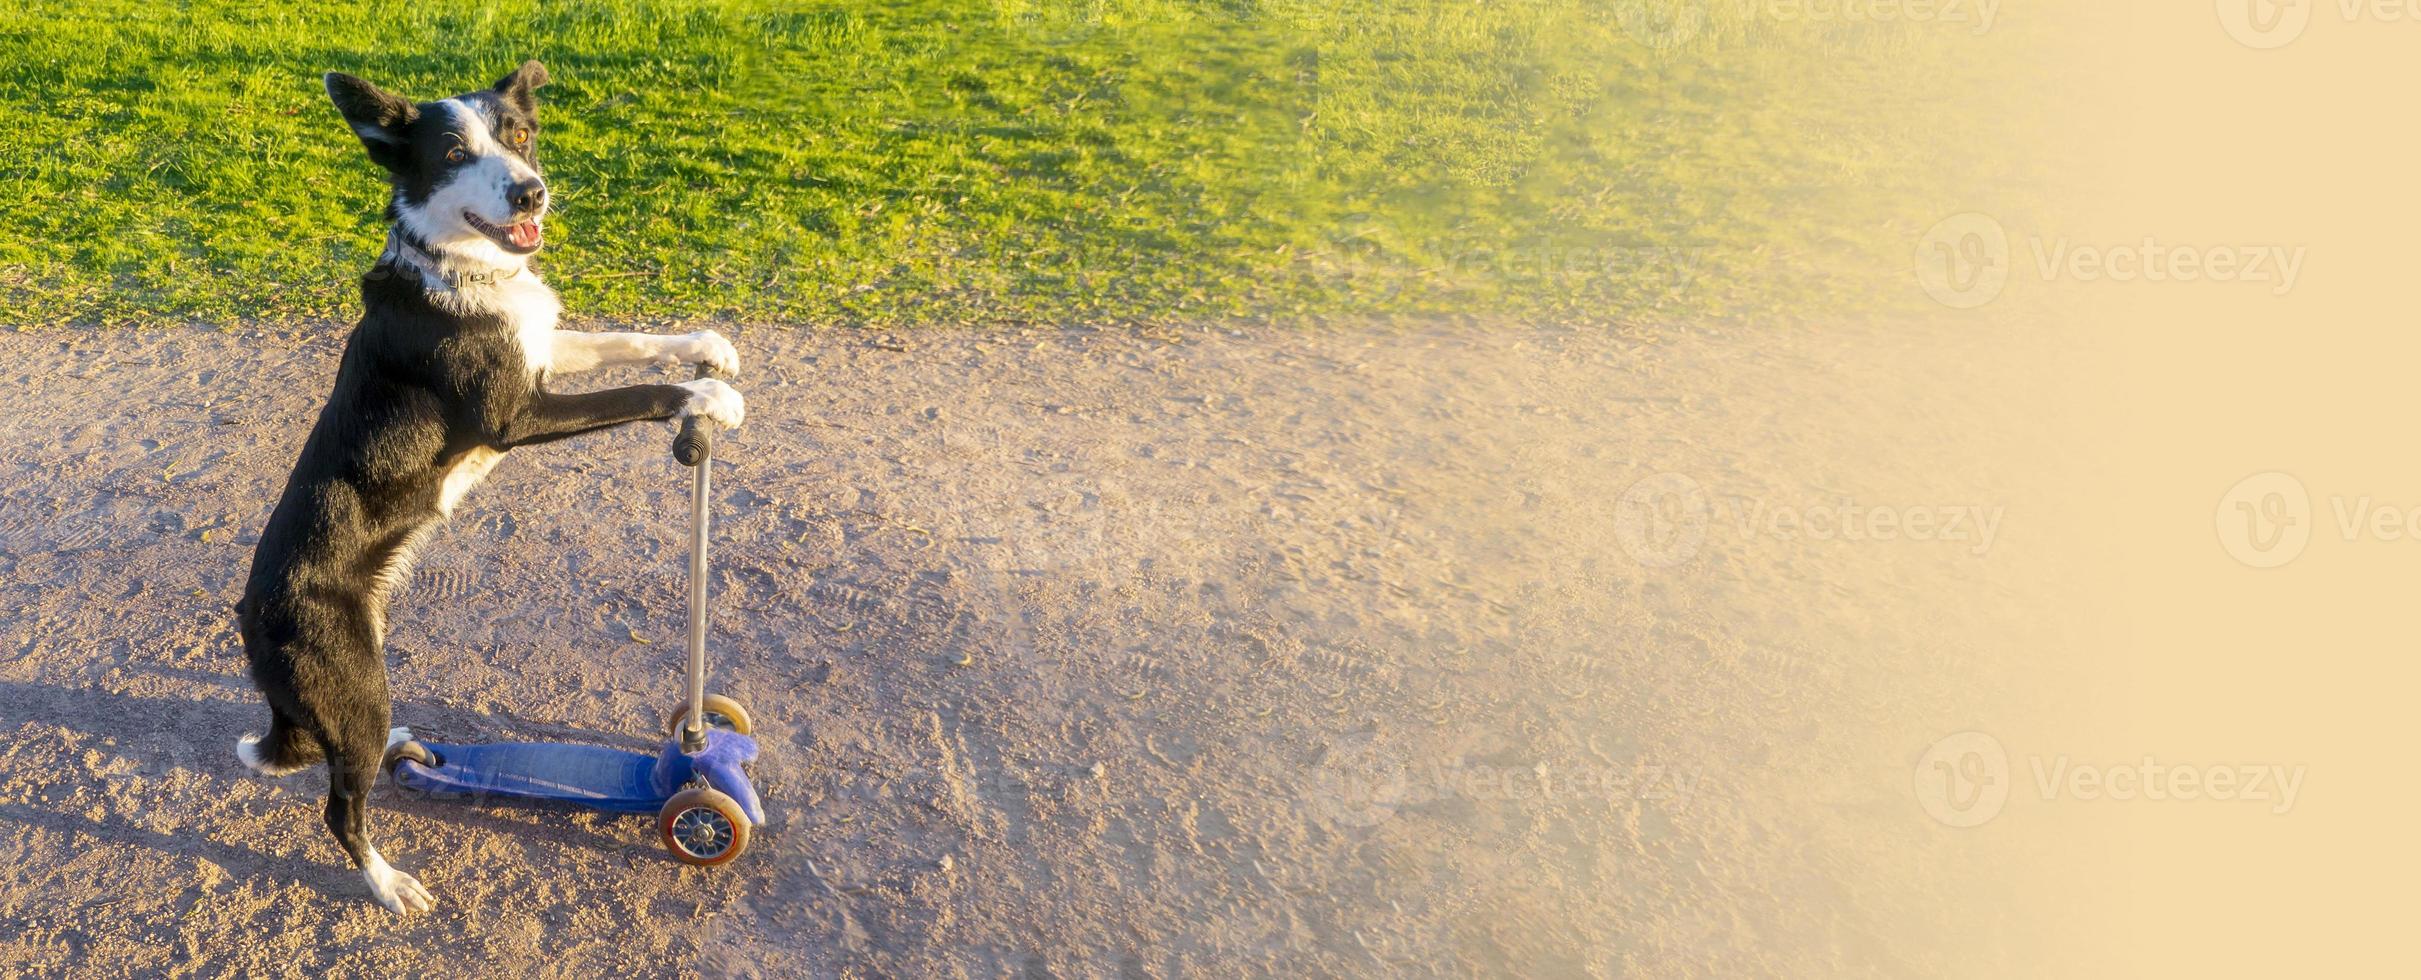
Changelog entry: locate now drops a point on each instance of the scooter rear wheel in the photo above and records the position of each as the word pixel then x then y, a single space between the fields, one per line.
pixel 721 712
pixel 703 827
pixel 408 750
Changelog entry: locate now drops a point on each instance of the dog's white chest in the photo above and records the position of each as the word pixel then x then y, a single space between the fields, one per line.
pixel 532 309
pixel 522 301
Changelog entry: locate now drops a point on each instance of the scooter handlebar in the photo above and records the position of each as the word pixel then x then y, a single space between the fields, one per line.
pixel 696 440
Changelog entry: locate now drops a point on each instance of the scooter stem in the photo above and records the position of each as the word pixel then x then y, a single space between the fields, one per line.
pixel 694 448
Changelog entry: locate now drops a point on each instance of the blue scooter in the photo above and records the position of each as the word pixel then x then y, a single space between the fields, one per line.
pixel 702 799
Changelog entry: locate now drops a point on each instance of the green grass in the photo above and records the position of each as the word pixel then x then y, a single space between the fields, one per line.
pixel 924 162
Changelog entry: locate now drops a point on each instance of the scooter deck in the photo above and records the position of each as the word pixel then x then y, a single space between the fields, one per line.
pixel 589 775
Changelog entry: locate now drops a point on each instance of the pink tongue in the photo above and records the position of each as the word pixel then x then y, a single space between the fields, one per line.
pixel 524 234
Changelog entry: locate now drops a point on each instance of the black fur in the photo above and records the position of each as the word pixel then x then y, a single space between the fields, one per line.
pixel 418 388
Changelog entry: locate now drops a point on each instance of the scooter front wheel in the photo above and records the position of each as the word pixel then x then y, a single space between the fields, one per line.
pixel 721 712
pixel 703 827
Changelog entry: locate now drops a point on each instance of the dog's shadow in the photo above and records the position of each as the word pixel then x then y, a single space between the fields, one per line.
pixel 241 862
pixel 115 736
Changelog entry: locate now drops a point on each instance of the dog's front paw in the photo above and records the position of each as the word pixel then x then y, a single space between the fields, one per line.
pixel 709 348
pixel 715 400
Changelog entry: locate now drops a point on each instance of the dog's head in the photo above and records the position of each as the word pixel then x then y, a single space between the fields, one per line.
pixel 465 169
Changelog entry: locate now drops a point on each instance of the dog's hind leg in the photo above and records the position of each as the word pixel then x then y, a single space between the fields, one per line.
pixel 288 749
pixel 351 722
pixel 353 763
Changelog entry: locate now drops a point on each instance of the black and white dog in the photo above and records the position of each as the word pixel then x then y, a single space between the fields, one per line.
pixel 447 370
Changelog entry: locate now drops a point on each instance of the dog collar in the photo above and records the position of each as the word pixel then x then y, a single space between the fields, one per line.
pixel 402 249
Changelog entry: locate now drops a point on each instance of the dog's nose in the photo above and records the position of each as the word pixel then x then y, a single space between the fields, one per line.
pixel 528 195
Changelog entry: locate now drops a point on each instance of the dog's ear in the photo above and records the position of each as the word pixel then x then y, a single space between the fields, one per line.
pixel 522 84
pixel 377 116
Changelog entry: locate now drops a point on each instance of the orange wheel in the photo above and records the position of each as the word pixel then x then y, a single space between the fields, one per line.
pixel 703 827
pixel 409 750
pixel 721 712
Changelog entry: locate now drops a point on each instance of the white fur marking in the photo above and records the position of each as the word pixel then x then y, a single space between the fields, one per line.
pixel 397 891
pixel 248 752
pixel 580 350
pixel 482 140
pixel 465 474
pixel 391 574
pixel 533 309
pixel 712 398
pixel 399 564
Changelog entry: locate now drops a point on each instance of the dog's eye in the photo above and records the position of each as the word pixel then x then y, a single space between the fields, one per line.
pixel 457 155
pixel 521 137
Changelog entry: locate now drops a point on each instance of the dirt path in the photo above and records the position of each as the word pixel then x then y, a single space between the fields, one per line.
pixel 1274 649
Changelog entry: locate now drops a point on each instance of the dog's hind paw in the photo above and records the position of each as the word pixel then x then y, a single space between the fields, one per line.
pixel 398 735
pixel 395 890
pixel 248 752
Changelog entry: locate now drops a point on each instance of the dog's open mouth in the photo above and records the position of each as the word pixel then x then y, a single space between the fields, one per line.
pixel 521 239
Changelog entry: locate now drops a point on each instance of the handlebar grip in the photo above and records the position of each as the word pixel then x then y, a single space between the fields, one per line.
pixel 696 441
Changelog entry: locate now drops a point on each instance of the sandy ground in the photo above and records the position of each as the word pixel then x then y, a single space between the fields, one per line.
pixel 1276 649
